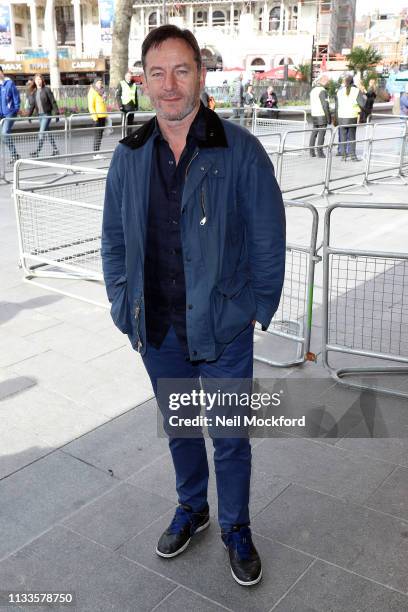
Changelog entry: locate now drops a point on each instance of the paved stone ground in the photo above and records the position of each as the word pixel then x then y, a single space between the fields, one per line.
pixel 86 486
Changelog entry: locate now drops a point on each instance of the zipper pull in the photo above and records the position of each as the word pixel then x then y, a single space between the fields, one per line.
pixel 204 219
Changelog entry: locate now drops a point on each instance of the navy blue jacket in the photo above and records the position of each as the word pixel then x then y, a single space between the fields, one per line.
pixel 232 233
pixel 9 99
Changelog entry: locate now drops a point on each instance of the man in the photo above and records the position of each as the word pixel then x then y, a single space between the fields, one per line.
pixel 321 118
pixel 237 99
pixel 269 99
pixel 9 107
pixel 126 96
pixel 193 251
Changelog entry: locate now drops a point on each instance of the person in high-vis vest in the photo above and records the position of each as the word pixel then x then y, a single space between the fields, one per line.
pixel 321 118
pixel 349 103
pixel 126 96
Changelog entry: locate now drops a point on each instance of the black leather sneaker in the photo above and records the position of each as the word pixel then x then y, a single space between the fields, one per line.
pixel 178 534
pixel 245 563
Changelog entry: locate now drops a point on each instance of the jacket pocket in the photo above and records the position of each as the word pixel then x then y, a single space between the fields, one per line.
pixel 233 306
pixel 120 312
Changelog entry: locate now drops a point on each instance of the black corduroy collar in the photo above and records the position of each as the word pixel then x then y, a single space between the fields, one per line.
pixel 214 131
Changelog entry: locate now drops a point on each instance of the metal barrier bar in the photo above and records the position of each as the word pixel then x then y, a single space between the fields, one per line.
pixel 272 145
pixel 262 126
pixel 364 304
pixel 59 226
pixel 293 319
pixel 303 167
pixel 388 152
pixel 86 139
pixel 36 144
pixel 339 168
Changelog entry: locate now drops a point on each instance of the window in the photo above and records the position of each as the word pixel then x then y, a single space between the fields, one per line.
pixel 64 19
pixel 200 19
pixel 152 20
pixel 258 61
pixel 274 19
pixel 293 17
pixel 18 30
pixel 218 18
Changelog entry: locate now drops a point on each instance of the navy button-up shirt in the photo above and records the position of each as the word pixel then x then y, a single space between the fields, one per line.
pixel 165 291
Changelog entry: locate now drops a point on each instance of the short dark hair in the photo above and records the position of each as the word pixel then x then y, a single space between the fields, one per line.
pixel 157 36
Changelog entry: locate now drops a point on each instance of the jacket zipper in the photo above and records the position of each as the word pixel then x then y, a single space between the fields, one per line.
pixel 204 219
pixel 137 315
pixel 189 163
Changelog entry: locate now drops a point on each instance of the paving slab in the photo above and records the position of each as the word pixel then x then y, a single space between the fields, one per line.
pixel 55 419
pixel 125 445
pixel 359 539
pixel 44 492
pixel 322 467
pixel 118 515
pixel 204 567
pixel 392 495
pixel 18 449
pixel 182 599
pixel 76 342
pixel 63 561
pixel 326 587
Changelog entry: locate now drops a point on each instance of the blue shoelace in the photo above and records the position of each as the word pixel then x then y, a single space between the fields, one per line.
pixel 241 540
pixel 180 520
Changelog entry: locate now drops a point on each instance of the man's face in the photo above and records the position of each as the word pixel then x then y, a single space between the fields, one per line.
pixel 172 79
pixel 128 77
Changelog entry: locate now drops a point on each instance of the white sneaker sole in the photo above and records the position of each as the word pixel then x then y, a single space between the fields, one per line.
pixel 183 548
pixel 241 582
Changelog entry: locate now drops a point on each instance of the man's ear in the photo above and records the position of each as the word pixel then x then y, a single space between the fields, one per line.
pixel 203 74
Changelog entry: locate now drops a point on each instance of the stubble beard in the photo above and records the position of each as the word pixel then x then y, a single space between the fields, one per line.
pixel 191 102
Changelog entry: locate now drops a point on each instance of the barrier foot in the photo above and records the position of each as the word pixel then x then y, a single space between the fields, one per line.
pixel 340 377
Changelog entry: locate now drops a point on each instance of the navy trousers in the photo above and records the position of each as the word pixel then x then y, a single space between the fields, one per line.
pixel 232 456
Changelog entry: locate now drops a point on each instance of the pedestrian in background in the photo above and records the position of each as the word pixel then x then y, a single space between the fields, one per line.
pixel 269 99
pixel 97 108
pixel 370 95
pixel 30 87
pixel 126 97
pixel 321 117
pixel 42 101
pixel 349 102
pixel 249 102
pixel 237 98
pixel 404 102
pixel 9 107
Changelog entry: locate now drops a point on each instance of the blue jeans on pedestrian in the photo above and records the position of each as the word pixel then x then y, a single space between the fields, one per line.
pixel 6 130
pixel 232 455
pixel 45 121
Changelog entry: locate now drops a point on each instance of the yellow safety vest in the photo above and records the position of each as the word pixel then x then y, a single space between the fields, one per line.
pixel 347 106
pixel 128 92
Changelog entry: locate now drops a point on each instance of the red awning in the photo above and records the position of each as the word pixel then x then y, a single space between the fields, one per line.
pixel 278 73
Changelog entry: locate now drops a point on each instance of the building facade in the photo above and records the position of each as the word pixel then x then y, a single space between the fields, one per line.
pixel 254 35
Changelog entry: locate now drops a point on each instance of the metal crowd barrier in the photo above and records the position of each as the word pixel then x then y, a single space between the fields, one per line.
pixel 59 225
pixel 303 167
pixel 274 124
pixel 26 144
pixel 365 301
pixel 293 319
pixel 388 152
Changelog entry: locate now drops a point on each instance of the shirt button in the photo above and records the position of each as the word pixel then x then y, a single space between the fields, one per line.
pixel 172 251
pixel 190 306
pixel 188 258
pixel 171 162
pixel 194 352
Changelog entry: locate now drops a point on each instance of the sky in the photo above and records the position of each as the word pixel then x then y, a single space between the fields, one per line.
pixel 364 7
